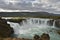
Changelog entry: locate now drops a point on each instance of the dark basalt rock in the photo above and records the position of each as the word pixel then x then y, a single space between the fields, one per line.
pixel 5 29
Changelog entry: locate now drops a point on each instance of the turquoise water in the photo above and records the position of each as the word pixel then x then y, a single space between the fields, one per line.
pixel 30 28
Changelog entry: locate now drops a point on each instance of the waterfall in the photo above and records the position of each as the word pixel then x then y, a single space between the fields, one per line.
pixel 37 21
pixel 27 28
pixel 28 24
pixel 54 24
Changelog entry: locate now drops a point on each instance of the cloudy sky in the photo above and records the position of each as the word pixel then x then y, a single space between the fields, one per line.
pixel 52 6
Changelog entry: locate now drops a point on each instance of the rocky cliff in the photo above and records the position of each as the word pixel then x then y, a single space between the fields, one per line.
pixel 5 29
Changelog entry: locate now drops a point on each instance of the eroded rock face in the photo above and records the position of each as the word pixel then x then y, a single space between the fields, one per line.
pixel 57 23
pixel 5 29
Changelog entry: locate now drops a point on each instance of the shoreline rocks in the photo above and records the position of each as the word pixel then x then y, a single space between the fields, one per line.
pixel 5 29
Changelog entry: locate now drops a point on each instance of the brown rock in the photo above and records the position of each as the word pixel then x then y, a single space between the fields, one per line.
pixel 44 37
pixel 5 29
pixel 36 37
pixel 1 39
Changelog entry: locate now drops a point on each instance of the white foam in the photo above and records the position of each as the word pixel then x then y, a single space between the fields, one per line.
pixel 32 26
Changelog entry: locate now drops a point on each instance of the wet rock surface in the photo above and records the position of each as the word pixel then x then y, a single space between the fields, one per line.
pixel 5 29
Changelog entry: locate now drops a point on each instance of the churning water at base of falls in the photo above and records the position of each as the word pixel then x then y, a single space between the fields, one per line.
pixel 31 26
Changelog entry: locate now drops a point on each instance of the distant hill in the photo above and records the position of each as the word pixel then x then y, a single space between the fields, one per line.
pixel 27 14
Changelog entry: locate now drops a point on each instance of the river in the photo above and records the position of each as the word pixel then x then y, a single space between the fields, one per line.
pixel 31 26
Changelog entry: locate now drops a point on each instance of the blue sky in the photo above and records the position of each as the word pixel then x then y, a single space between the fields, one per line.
pixel 52 6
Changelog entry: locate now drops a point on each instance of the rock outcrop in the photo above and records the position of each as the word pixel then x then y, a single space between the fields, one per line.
pixel 5 29
pixel 36 37
pixel 45 37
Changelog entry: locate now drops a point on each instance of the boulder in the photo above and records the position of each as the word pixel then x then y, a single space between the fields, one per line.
pixel 36 37
pixel 45 36
pixel 5 29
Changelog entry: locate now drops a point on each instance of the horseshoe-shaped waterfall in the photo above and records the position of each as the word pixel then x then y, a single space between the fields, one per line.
pixel 27 28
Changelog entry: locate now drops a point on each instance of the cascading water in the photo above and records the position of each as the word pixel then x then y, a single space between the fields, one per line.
pixel 27 28
pixel 54 24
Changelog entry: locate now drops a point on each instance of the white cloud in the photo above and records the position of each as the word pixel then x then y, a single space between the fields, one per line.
pixel 35 5
pixel 4 10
